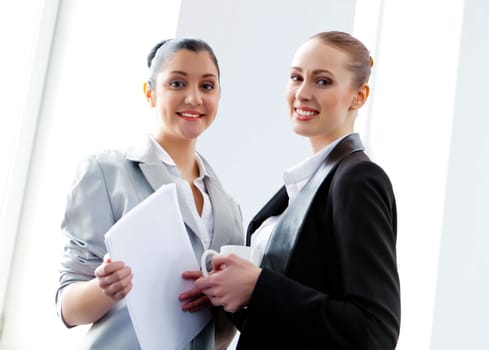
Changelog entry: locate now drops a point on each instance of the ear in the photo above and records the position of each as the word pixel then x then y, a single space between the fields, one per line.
pixel 360 97
pixel 148 92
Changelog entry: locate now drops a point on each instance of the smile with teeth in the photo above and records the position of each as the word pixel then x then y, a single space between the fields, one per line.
pixel 189 115
pixel 305 114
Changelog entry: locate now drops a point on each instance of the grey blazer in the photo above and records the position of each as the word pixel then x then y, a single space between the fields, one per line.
pixel 107 185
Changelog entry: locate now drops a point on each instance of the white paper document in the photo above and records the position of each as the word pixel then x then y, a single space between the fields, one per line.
pixel 152 240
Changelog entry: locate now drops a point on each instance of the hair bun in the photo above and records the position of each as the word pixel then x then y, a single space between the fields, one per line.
pixel 154 50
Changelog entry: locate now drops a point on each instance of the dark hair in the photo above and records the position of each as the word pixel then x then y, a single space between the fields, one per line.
pixel 361 61
pixel 166 48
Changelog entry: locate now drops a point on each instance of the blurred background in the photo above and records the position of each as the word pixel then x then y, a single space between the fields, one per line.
pixel 71 75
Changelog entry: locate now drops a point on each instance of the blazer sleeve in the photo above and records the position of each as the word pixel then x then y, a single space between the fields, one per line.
pixel 88 216
pixel 366 234
pixel 367 314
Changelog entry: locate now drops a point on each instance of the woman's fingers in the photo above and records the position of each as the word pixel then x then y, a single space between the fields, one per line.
pixel 230 286
pixel 197 304
pixel 114 278
pixel 191 275
pixel 106 268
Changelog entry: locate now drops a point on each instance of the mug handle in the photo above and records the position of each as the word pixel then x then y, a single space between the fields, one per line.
pixel 203 260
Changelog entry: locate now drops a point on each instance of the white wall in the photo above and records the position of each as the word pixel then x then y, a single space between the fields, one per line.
pixel 461 309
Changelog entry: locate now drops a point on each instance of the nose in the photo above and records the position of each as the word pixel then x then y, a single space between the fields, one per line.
pixel 194 97
pixel 303 92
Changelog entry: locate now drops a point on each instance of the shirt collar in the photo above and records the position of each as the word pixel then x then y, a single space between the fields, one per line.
pixel 304 170
pixel 163 155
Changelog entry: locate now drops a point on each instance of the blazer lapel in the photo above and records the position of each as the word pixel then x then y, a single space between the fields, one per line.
pixel 157 175
pixel 227 230
pixel 284 237
pixel 275 206
pixel 223 215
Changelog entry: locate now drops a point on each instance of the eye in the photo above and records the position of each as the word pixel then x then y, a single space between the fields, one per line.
pixel 208 86
pixel 177 84
pixel 295 77
pixel 324 81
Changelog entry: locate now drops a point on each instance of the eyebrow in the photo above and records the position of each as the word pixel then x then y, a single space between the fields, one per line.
pixel 207 75
pixel 314 72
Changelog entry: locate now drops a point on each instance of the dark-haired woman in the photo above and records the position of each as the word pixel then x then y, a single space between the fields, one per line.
pixel 183 88
pixel 328 278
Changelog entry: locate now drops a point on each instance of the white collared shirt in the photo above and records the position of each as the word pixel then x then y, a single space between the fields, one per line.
pixel 295 179
pixel 205 223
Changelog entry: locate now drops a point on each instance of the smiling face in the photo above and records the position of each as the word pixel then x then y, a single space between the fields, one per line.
pixel 322 99
pixel 186 95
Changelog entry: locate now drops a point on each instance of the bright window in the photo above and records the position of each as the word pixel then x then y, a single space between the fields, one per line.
pixel 415 44
pixel 19 28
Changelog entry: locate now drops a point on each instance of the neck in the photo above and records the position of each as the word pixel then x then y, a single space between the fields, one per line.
pixel 320 141
pixel 183 154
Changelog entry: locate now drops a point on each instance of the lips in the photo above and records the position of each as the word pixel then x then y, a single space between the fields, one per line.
pixel 305 113
pixel 190 115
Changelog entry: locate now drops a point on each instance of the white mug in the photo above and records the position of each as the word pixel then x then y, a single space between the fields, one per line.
pixel 245 252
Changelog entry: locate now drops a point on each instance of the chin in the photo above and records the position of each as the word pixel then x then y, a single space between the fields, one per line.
pixel 193 134
pixel 301 131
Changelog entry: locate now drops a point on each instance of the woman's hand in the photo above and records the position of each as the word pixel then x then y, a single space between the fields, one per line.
pixel 193 299
pixel 114 278
pixel 231 282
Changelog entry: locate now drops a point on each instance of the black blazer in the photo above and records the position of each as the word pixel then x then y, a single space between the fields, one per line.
pixel 337 286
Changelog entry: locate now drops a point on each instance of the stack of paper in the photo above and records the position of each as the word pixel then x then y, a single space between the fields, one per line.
pixel 152 240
